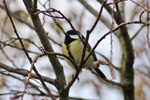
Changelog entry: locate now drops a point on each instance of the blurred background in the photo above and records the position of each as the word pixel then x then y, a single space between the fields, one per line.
pixel 88 87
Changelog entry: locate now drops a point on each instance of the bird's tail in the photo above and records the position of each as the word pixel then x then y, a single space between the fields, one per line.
pixel 100 73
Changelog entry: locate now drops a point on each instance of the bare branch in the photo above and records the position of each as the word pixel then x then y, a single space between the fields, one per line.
pixel 117 68
pixel 98 17
pixel 24 72
pixel 9 59
pixel 17 17
pixel 137 32
pixel 95 13
pixel 6 44
pixel 122 24
pixel 89 32
pixel 18 78
pixel 30 60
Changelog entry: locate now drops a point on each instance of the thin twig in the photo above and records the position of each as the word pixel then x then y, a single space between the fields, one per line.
pixel 148 40
pixel 52 10
pixel 148 32
pixel 32 65
pixel 98 17
pixel 25 72
pixel 137 32
pixel 8 58
pixel 52 17
pixel 5 44
pixel 103 37
pixel 85 45
pixel 59 54
pixel 45 95
pixel 95 13
pixel 89 31
pixel 117 68
pixel 116 1
pixel 138 4
pixel 33 85
pixel 30 60
pixel 18 18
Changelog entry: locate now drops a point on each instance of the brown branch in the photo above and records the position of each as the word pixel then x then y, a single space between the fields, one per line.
pixel 6 44
pixel 30 60
pixel 50 10
pixel 138 32
pixel 45 95
pixel 24 72
pixel 18 78
pixel 29 74
pixel 138 4
pixel 27 40
pixel 48 53
pixel 7 57
pixel 111 42
pixel 109 9
pixel 35 4
pixel 98 17
pixel 110 82
pixel 17 18
pixel 116 1
pixel 103 37
pixel 117 68
pixel 59 54
pixel 55 41
pixel 140 17
pixel 95 13
pixel 122 24
pixel 87 36
pixel 55 21
pixel 84 49
pixel 148 40
pixel 89 32
pixel 45 42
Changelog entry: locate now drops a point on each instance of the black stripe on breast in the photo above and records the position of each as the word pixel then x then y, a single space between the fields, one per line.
pixel 69 52
pixel 67 41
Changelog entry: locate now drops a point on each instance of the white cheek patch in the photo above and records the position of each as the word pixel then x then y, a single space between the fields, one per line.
pixel 74 36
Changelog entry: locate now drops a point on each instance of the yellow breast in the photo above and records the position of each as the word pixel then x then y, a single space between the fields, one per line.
pixel 76 48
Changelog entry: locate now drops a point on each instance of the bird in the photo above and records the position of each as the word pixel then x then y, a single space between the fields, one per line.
pixel 73 48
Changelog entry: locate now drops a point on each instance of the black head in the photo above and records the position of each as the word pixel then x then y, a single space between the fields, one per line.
pixel 72 35
pixel 72 32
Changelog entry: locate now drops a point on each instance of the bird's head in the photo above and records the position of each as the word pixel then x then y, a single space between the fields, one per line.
pixel 73 34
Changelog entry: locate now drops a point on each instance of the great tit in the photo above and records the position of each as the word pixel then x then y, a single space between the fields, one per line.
pixel 73 48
